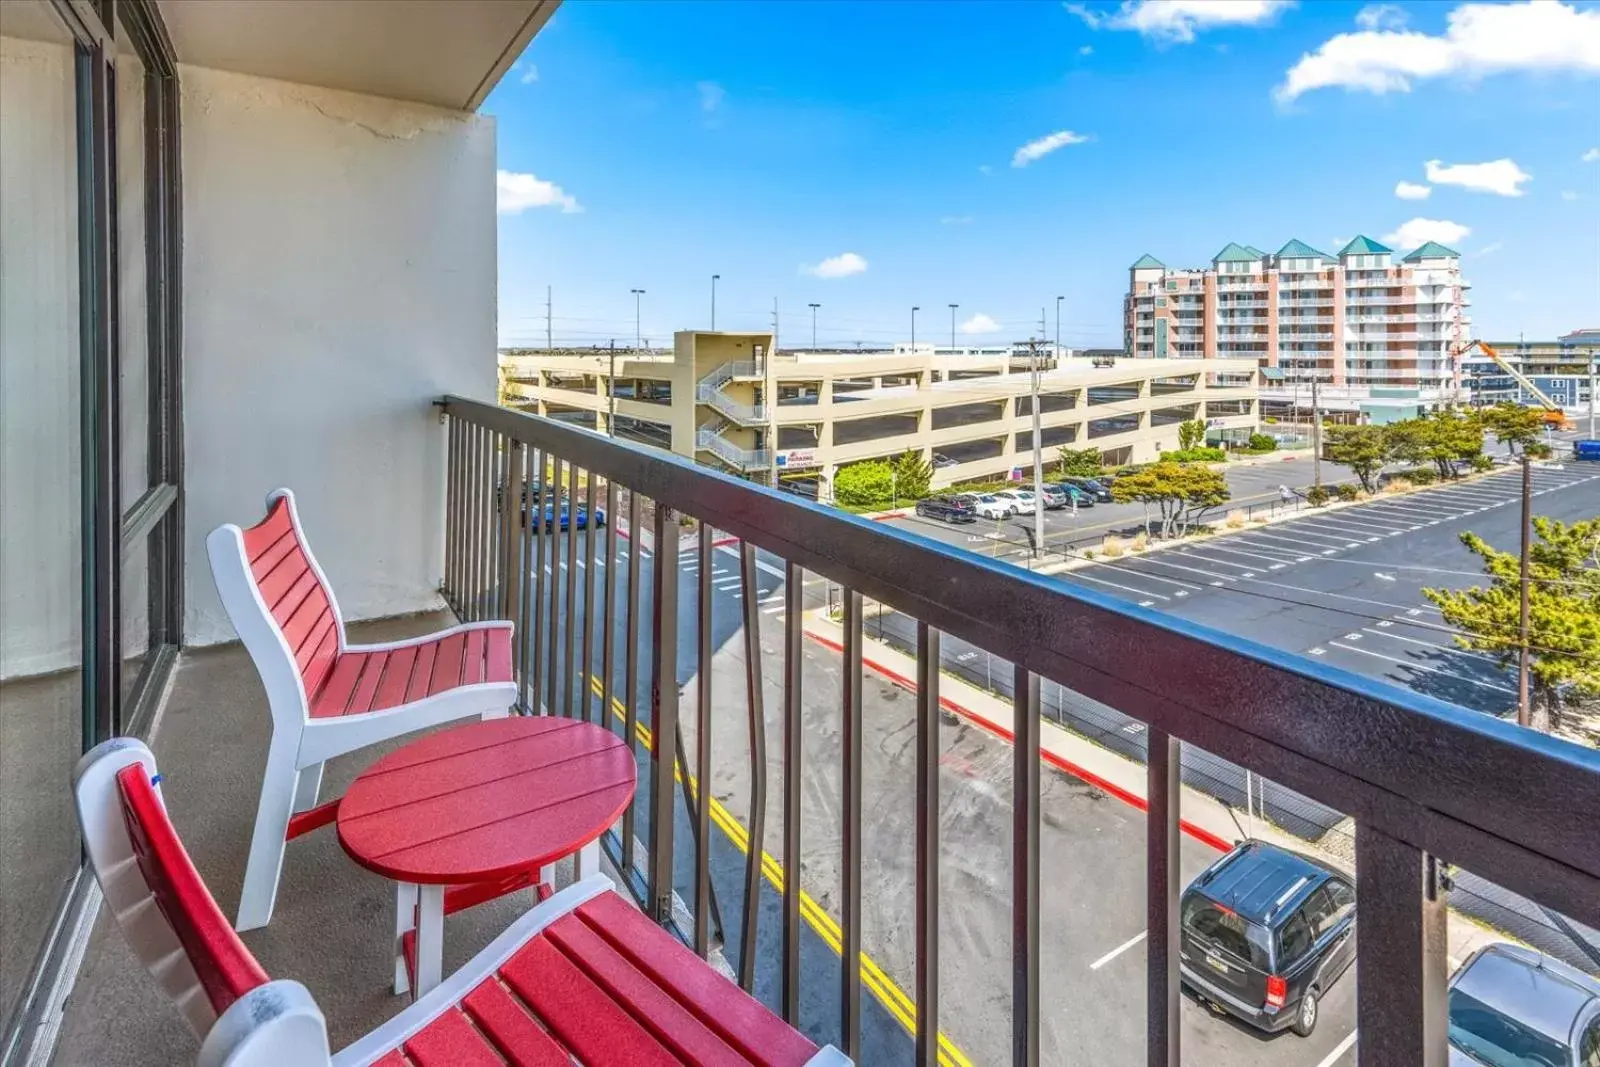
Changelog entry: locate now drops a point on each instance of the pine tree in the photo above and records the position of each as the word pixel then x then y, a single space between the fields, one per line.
pixel 1563 620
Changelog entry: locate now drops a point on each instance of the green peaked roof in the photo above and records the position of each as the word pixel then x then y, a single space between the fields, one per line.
pixel 1147 260
pixel 1432 250
pixel 1235 254
pixel 1298 249
pixel 1362 246
pixel 1253 250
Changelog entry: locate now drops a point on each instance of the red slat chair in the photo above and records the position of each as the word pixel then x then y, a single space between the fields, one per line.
pixel 582 977
pixel 327 696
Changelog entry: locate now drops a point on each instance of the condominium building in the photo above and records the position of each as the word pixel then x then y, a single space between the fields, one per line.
pixel 1563 370
pixel 968 411
pixel 1380 333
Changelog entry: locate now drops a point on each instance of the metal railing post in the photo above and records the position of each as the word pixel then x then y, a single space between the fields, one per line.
pixel 663 709
pixel 1402 968
pixel 1163 885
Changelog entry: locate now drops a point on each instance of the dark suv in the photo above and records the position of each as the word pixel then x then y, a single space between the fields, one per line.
pixel 950 510
pixel 1265 933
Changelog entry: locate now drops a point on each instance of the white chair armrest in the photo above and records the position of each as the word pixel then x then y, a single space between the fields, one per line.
pixel 448 993
pixel 272 1025
pixel 390 646
pixel 830 1057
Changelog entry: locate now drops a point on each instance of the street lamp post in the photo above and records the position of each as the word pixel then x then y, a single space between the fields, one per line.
pixel 914 311
pixel 953 326
pixel 638 295
pixel 1058 325
pixel 1038 462
pixel 714 278
pixel 813 308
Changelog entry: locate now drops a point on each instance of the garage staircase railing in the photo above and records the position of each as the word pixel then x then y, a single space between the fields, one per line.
pixel 709 390
pixel 1425 783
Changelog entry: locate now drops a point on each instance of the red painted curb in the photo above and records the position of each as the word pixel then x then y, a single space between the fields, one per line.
pixel 891 515
pixel 1200 834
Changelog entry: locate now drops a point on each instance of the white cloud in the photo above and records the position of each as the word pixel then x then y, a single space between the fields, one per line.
pixel 955 220
pixel 985 169
pixel 841 266
pixel 1489 250
pixel 1568 195
pixel 1501 176
pixel 980 323
pixel 1412 191
pixel 1420 231
pixel 1043 146
pixel 515 193
pixel 711 96
pixel 1592 156
pixel 1479 39
pixel 1381 17
pixel 1177 21
pixel 530 75
pixel 1086 50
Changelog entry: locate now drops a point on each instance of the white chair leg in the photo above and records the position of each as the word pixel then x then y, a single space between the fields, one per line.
pixel 405 921
pixel 265 863
pixel 430 938
pixel 307 785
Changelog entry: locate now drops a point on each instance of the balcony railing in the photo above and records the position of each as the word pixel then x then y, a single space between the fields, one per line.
pixel 1424 781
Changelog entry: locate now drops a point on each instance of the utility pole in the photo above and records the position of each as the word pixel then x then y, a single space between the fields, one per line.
pixel 953 329
pixel 638 295
pixel 1594 391
pixel 611 394
pixel 914 311
pixel 1316 432
pixel 548 346
pixel 1524 657
pixel 813 308
pixel 714 278
pixel 1038 464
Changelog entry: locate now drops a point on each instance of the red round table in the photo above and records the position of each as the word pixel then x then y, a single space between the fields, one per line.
pixel 482 808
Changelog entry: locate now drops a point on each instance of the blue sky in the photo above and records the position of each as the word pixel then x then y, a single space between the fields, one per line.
pixel 651 145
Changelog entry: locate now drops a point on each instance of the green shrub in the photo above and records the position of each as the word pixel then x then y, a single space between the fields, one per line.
pixel 1317 495
pixel 1195 455
pixel 1345 491
pixel 1079 462
pixel 1260 442
pixel 1422 476
pixel 864 485
pixel 1481 463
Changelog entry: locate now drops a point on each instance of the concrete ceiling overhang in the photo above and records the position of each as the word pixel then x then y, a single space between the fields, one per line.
pixel 447 53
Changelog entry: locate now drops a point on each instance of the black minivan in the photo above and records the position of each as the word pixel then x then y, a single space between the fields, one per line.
pixel 1265 932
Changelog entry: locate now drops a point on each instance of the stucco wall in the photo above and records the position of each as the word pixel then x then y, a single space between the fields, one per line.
pixel 339 272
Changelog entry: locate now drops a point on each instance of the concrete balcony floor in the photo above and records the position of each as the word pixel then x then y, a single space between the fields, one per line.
pixel 334 922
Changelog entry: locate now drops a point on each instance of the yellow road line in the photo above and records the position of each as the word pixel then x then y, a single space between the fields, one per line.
pixel 893 998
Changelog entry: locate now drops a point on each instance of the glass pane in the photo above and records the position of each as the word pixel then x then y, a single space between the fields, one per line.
pixel 133 393
pixel 40 584
pixel 134 372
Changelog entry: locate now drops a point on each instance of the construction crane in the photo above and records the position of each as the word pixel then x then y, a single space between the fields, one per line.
pixel 1554 416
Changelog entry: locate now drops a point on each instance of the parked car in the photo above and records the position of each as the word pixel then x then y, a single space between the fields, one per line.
pixel 1582 450
pixel 1076 494
pixel 988 505
pixel 559 518
pixel 1093 486
pixel 1054 497
pixel 1021 499
pixel 941 460
pixel 1265 933
pixel 1511 1006
pixel 946 509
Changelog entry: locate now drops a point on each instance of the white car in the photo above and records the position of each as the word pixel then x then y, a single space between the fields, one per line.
pixel 1022 499
pixel 989 506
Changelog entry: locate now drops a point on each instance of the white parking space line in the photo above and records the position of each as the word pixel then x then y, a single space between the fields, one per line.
pixel 1288 555
pixel 1372 523
pixel 1247 567
pixel 1159 561
pixel 1151 577
pixel 1316 540
pixel 1349 537
pixel 771 599
pixel 1336 596
pixel 1339 1050
pixel 1119 950
pixel 1216 546
pixel 1423 667
pixel 1427 644
pixel 761 564
pixel 1126 588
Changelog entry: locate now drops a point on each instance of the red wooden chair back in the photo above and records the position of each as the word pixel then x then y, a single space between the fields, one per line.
pixel 294 591
pixel 224 968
